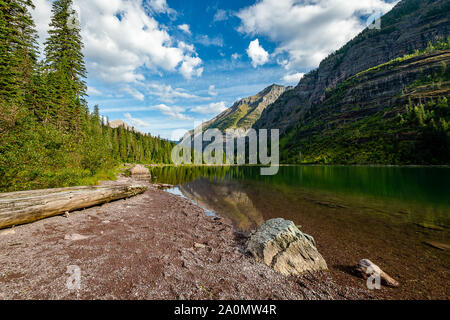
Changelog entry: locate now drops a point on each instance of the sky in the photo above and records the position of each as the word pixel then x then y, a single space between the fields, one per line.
pixel 165 65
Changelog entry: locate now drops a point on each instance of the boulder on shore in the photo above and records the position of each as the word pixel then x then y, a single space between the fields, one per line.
pixel 278 243
pixel 140 172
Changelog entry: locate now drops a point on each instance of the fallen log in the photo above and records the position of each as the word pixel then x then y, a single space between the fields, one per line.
pixel 28 206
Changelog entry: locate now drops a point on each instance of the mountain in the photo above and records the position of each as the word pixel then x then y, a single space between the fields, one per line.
pixel 381 99
pixel 120 123
pixel 245 112
pixel 409 26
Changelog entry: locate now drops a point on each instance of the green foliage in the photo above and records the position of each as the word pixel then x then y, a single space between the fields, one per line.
pixel 48 137
pixel 437 46
pixel 405 8
pixel 418 135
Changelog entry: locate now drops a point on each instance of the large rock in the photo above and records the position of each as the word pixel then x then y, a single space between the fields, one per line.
pixel 279 244
pixel 140 172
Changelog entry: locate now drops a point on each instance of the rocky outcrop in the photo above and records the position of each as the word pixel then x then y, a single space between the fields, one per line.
pixel 242 115
pixel 278 243
pixel 120 123
pixel 407 27
pixel 245 112
pixel 140 172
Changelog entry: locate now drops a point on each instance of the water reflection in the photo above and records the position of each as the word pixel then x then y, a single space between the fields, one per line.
pixel 389 215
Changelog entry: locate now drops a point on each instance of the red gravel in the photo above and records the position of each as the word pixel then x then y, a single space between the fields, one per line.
pixel 152 246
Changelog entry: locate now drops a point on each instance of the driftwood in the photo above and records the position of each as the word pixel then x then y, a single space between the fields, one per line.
pixel 367 269
pixel 28 206
pixel 163 186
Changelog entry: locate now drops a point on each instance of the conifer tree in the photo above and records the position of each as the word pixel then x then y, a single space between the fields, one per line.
pixel 18 50
pixel 65 64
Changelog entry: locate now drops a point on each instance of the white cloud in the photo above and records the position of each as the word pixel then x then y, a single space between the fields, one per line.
pixel 307 31
pixel 190 67
pixel 212 91
pixel 173 112
pixel 186 47
pixel 205 40
pixel 160 6
pixel 257 53
pixel 134 93
pixel 41 16
pixel 185 28
pixel 212 108
pixel 236 56
pixel 91 91
pixel 221 15
pixel 135 122
pixel 122 39
pixel 169 94
pixel 293 78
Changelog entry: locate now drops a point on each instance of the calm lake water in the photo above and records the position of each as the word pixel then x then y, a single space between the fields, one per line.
pixel 398 217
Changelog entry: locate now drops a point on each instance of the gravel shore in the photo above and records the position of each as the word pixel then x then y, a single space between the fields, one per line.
pixel 152 246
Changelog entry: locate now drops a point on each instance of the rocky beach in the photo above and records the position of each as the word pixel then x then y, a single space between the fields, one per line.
pixel 152 246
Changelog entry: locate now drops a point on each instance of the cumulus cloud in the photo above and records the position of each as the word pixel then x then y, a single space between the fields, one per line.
pixel 235 56
pixel 185 28
pixel 257 54
pixel 135 122
pixel 41 16
pixel 212 91
pixel 293 78
pixel 134 93
pixel 160 6
pixel 122 38
pixel 169 94
pixel 205 40
pixel 191 67
pixel 173 112
pixel 221 15
pixel 91 91
pixel 212 108
pixel 307 31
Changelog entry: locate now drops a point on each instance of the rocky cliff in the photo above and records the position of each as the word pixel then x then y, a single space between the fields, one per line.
pixel 394 113
pixel 409 26
pixel 245 112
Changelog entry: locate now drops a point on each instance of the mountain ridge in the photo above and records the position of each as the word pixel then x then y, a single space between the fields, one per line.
pixel 409 26
pixel 244 112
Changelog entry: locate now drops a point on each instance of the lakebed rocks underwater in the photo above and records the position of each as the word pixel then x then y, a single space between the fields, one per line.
pixel 160 246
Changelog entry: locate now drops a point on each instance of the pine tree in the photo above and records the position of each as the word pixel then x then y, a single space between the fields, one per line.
pixel 65 64
pixel 18 50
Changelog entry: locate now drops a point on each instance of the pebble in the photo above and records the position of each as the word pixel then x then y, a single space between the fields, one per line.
pixel 7 232
pixel 75 237
pixel 199 245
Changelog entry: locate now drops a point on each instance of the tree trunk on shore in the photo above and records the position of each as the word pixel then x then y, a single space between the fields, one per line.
pixel 28 206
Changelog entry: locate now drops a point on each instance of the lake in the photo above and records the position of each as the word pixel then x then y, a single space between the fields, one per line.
pixel 398 217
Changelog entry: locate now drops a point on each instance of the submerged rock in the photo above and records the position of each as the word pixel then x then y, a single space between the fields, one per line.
pixel 278 243
pixel 438 245
pixel 367 269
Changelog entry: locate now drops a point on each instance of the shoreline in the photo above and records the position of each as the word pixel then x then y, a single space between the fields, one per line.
pixel 153 246
pixel 446 166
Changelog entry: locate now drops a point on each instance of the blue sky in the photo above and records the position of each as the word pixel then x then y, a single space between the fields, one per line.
pixel 163 65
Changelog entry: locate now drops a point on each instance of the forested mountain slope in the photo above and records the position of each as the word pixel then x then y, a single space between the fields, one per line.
pixel 245 112
pixel 48 135
pixel 381 99
pixel 409 26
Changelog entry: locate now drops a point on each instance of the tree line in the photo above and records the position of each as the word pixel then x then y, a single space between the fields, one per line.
pixel 48 136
